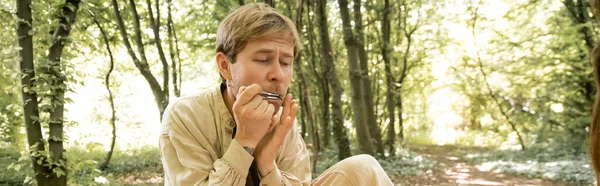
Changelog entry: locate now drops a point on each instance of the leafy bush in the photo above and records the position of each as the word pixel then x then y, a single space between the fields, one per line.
pixel 126 167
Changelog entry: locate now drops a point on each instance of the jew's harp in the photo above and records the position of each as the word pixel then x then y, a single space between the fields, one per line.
pixel 271 96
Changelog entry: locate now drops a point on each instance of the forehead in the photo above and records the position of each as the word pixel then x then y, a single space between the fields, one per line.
pixel 271 44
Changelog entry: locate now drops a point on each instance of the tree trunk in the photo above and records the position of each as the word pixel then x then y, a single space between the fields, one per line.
pixel 113 117
pixel 325 116
pixel 408 33
pixel 270 3
pixel 241 2
pixel 389 79
pixel 31 113
pixel 55 139
pixel 367 95
pixel 580 16
pixel 491 93
pixel 142 65
pixel 155 25
pixel 174 51
pixel 356 83
pixel 56 173
pixel 303 111
pixel 306 94
pixel 336 88
pixel 325 126
pixel 400 119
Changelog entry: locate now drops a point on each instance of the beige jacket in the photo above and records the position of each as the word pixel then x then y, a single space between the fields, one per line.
pixel 197 148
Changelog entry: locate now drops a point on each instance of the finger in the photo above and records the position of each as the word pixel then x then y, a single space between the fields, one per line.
pixel 270 109
pixel 254 103
pixel 294 109
pixel 248 94
pixel 283 128
pixel 262 106
pixel 287 102
pixel 242 88
pixel 274 120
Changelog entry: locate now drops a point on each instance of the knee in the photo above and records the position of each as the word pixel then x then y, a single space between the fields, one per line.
pixel 361 163
pixel 363 159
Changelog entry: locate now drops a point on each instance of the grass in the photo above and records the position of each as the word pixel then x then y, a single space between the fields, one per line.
pixel 143 166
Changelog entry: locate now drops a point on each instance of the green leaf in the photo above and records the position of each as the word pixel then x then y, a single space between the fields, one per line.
pixel 17 167
pixel 70 7
pixel 31 32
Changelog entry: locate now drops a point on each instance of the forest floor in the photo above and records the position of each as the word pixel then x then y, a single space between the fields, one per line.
pixel 453 169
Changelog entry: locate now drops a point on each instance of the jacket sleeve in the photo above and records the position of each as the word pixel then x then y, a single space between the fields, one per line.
pixel 190 159
pixel 293 162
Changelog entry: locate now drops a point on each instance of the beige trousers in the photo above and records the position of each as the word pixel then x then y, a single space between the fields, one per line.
pixel 357 170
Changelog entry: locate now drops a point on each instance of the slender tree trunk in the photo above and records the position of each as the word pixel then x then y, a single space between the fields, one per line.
pixel 325 117
pixel 56 172
pixel 142 64
pixel 325 126
pixel 492 95
pixel 326 50
pixel 175 64
pixel 358 105
pixel 367 95
pixel 303 111
pixel 56 134
pixel 113 117
pixel 155 25
pixel 241 2
pixel 306 94
pixel 31 113
pixel 389 79
pixel 408 32
pixel 270 3
pixel 400 119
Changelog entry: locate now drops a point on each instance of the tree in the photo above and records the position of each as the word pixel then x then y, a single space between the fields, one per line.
pixel 50 167
pixel 161 95
pixel 389 78
pixel 367 95
pixel 339 130
pixel 111 101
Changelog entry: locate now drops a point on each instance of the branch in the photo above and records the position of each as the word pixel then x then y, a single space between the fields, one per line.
pixel 173 52
pixel 155 24
pixel 104 165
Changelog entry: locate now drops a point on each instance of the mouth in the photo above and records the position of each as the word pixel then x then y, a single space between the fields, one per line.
pixel 269 96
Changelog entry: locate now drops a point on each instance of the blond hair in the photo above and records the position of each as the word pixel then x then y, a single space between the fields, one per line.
pixel 254 21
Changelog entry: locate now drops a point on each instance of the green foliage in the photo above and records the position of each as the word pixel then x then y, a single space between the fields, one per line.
pixel 552 163
pixel 82 163
pixel 404 163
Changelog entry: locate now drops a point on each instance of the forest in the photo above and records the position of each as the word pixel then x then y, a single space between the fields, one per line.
pixel 440 92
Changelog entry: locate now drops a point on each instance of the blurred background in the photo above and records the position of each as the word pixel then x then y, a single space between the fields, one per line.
pixel 453 92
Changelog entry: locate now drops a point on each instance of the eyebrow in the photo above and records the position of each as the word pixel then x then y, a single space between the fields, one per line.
pixel 264 50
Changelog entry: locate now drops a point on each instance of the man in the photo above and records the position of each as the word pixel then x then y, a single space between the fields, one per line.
pixel 234 134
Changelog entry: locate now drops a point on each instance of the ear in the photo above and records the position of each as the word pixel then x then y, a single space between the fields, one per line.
pixel 224 65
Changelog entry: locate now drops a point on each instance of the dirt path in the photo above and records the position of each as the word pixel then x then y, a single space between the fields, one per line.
pixel 451 170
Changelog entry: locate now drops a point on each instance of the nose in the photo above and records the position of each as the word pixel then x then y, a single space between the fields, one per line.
pixel 275 71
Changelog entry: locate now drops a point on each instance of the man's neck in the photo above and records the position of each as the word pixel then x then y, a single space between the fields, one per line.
pixel 227 97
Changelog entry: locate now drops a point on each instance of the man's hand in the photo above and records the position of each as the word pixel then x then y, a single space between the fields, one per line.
pixel 269 146
pixel 253 116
